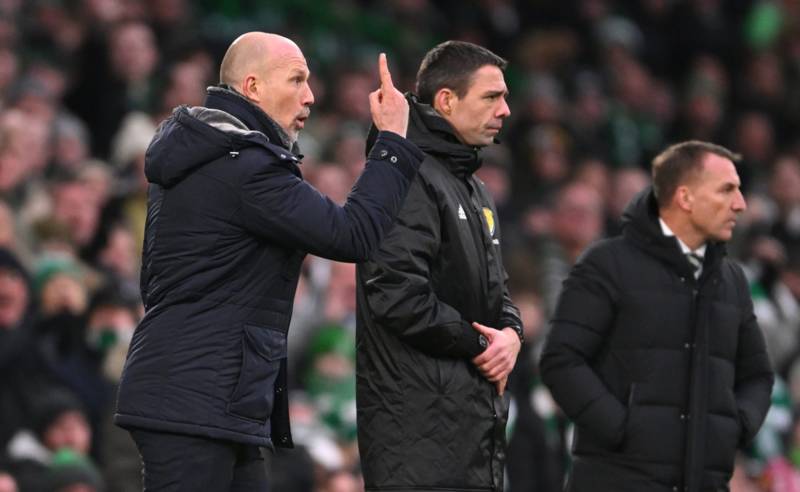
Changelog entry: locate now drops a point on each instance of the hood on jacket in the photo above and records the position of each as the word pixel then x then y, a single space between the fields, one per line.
pixel 435 136
pixel 640 223
pixel 194 136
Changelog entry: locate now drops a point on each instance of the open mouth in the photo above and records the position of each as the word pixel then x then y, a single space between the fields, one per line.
pixel 301 121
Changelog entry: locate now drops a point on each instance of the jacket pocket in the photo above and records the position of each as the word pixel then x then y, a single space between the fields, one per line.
pixel 262 351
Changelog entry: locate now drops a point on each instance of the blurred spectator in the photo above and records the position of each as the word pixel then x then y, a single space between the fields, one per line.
pixel 755 137
pixel 330 380
pixel 577 220
pixel 777 309
pixel 704 97
pixel 785 190
pixel 23 375
pixel 111 318
pixel 625 184
pixel 495 172
pixel 121 82
pixel 72 143
pixel 534 446
pixel 331 180
pixel 56 453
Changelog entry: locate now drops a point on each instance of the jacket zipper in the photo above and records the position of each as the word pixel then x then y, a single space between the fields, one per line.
pixel 689 458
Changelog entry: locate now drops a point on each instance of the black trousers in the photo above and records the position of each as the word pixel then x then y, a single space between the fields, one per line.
pixel 182 463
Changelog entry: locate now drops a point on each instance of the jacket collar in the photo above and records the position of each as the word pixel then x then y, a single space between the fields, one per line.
pixel 224 98
pixel 436 136
pixel 641 225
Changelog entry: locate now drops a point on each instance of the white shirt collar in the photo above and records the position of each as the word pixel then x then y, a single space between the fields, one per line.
pixel 701 251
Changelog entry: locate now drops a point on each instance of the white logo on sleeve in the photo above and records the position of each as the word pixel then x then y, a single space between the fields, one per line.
pixel 461 214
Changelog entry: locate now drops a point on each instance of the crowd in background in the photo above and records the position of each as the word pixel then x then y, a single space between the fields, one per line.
pixel 598 87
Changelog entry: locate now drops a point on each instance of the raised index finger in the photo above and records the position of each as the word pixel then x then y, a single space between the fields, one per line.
pixel 383 70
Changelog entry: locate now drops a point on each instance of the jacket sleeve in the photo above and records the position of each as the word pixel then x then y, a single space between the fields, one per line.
pixel 754 376
pixel 397 288
pixel 279 206
pixel 582 320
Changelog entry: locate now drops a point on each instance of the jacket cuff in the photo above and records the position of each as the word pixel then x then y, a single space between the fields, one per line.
pixel 469 342
pixel 397 151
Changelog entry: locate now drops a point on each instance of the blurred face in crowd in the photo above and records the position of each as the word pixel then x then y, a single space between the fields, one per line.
pixel 626 183
pixel 187 83
pixel 785 183
pixel 63 292
pixel 24 147
pixel 578 217
pixel 133 52
pixel 13 298
pixel 755 137
pixel 75 207
pixel 341 294
pixel 70 430
pixel 477 117
pixel 333 181
pixel 714 199
pixel 497 181
pixel 351 100
pixel 120 253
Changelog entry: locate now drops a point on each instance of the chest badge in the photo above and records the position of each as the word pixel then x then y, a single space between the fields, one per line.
pixel 461 214
pixel 489 216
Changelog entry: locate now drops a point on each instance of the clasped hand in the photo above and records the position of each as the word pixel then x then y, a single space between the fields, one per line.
pixel 497 361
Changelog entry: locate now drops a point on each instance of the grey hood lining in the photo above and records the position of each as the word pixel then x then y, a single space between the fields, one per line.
pixel 281 133
pixel 222 121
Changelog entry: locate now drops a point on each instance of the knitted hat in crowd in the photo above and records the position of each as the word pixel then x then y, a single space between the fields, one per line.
pixel 69 468
pixel 49 267
pixel 51 406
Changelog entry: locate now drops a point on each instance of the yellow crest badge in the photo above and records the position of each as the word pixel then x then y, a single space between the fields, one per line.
pixel 487 213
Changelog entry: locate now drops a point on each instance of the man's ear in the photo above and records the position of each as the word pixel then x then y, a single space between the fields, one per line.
pixel 443 101
pixel 684 198
pixel 250 88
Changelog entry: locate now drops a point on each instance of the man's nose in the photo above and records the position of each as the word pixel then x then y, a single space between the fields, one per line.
pixel 503 111
pixel 308 97
pixel 739 203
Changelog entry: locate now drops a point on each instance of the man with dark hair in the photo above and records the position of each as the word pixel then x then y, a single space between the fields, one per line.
pixel 654 350
pixel 229 221
pixel 452 65
pixel 437 333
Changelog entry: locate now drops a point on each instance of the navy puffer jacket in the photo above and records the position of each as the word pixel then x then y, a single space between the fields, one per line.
pixel 229 221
